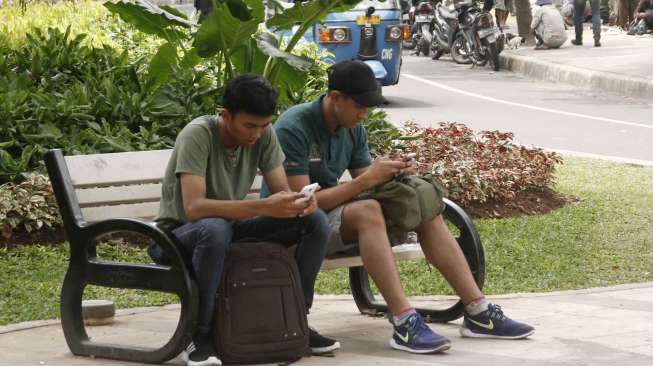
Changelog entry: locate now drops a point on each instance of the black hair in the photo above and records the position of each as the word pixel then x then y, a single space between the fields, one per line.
pixel 250 93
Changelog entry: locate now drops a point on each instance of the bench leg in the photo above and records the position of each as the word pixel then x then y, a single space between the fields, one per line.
pixel 368 305
pixel 471 245
pixel 79 343
pixel 72 322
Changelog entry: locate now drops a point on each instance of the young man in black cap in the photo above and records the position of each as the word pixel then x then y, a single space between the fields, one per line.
pixel 324 138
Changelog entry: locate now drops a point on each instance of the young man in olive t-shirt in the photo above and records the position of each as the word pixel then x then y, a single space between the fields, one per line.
pixel 212 167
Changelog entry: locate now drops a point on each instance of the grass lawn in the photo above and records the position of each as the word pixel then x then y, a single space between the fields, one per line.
pixel 605 239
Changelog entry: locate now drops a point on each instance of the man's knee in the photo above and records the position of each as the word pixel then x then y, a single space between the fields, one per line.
pixel 435 223
pixel 366 212
pixel 318 220
pixel 214 233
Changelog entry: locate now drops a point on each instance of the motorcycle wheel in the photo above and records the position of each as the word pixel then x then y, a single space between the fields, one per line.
pixel 458 52
pixel 424 46
pixel 426 32
pixel 492 54
pixel 437 54
pixel 479 60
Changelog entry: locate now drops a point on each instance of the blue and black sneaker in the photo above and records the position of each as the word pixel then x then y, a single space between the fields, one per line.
pixel 491 323
pixel 413 335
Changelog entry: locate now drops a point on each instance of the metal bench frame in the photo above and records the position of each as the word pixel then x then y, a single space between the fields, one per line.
pixel 86 269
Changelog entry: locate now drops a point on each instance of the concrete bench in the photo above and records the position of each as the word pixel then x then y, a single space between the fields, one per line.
pixel 120 192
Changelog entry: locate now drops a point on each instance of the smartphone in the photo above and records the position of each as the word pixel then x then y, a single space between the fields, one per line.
pixel 308 192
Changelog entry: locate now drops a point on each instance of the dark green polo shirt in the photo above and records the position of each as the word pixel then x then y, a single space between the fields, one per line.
pixel 311 149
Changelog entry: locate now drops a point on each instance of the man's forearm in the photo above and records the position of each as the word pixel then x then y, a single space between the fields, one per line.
pixel 231 210
pixel 328 199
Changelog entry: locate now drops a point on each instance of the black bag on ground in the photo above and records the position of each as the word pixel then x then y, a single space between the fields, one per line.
pixel 260 312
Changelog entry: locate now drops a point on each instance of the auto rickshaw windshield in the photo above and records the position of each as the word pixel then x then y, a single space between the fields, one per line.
pixel 387 4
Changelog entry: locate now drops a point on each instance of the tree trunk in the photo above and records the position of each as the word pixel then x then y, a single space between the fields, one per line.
pixel 524 18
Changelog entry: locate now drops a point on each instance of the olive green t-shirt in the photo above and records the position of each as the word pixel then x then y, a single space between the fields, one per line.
pixel 229 173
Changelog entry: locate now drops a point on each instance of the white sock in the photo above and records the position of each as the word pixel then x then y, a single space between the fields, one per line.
pixel 477 306
pixel 398 320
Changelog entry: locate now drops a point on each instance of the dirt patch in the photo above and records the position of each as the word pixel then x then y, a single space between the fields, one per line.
pixel 44 237
pixel 531 202
pixel 57 236
pixel 526 203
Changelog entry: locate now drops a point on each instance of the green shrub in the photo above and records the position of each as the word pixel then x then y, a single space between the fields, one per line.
pixel 57 92
pixel 28 206
pixel 82 16
pixel 476 167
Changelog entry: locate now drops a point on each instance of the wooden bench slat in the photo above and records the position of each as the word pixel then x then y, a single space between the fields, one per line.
pixel 401 252
pixel 114 169
pixel 146 211
pixel 107 196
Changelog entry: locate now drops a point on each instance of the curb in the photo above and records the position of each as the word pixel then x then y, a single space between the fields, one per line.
pixel 578 77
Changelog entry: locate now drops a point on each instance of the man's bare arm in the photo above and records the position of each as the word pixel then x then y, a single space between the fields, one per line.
pixel 363 179
pixel 276 180
pixel 197 206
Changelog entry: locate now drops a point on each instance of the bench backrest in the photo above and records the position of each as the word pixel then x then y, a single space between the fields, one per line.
pixel 123 184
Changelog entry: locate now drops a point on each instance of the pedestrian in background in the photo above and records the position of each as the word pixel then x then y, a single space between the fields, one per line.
pixel 502 9
pixel 547 26
pixel 567 12
pixel 645 12
pixel 626 12
pixel 579 11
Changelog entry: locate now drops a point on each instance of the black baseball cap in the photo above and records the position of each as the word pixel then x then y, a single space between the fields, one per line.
pixel 356 79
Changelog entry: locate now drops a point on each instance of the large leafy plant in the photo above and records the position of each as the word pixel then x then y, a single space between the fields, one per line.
pixel 236 34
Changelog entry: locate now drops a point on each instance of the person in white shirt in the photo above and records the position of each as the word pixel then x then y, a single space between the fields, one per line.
pixel 548 25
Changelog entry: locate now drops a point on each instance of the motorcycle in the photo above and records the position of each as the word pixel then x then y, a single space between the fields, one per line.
pixel 406 21
pixel 483 41
pixel 444 38
pixel 421 16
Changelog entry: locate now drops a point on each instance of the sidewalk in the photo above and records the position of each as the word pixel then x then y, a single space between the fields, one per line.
pixel 604 326
pixel 622 65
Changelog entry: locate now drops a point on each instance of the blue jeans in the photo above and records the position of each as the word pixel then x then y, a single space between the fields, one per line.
pixel 206 242
pixel 579 17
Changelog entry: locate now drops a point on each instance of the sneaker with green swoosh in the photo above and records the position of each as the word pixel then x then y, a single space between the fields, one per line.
pixel 413 335
pixel 492 323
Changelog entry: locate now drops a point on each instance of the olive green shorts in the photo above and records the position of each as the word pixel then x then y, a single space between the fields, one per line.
pixel 337 246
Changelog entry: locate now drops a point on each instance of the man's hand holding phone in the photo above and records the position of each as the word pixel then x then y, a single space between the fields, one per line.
pixel 308 198
pixel 409 159
pixel 307 192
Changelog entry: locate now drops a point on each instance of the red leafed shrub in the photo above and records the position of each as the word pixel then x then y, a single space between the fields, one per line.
pixel 477 167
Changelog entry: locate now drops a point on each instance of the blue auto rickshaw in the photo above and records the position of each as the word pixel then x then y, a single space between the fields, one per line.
pixel 371 32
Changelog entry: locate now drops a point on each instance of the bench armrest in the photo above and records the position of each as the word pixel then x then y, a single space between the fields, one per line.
pixel 147 228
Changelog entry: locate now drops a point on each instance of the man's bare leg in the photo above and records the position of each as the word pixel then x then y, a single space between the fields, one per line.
pixel 363 221
pixel 442 250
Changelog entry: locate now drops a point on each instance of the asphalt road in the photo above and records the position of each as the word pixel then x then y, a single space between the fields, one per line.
pixel 552 116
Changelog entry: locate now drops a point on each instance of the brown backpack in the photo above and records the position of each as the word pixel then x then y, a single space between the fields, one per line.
pixel 260 312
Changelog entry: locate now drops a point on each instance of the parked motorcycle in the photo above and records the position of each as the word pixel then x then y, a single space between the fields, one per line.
pixel 421 16
pixel 483 41
pixel 444 40
pixel 406 8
